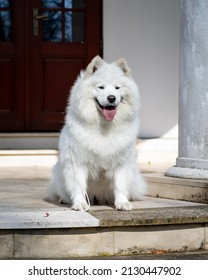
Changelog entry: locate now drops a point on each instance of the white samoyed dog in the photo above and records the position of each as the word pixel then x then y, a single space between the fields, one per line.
pixel 97 157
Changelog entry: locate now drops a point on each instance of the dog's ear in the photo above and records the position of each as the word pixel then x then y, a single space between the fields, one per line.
pixel 94 65
pixel 124 66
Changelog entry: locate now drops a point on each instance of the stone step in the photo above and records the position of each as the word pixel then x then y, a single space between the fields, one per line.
pixel 31 227
pixel 28 158
pixel 28 141
pixel 162 186
pixel 67 234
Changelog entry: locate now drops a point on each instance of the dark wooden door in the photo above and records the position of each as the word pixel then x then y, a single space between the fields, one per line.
pixel 50 41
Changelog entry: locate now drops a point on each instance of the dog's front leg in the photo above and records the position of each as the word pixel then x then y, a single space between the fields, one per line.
pixel 122 180
pixel 76 184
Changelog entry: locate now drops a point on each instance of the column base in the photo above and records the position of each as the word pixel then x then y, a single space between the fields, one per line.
pixel 188 173
pixel 192 163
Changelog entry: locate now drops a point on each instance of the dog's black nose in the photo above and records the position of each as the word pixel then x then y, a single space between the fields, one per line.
pixel 111 98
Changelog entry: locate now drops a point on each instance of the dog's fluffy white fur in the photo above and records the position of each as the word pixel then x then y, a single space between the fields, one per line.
pixel 97 154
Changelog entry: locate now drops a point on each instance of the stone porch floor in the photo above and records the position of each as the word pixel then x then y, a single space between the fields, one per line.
pixel 23 204
pixel 30 227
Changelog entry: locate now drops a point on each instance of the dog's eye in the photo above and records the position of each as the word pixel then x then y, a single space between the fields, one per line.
pixel 117 87
pixel 101 87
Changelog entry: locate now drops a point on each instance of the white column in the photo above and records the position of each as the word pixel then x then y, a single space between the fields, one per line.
pixel 192 161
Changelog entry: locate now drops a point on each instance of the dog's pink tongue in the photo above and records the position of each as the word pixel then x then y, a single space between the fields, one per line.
pixel 109 113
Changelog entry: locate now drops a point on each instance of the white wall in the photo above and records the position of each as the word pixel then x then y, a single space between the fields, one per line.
pixel 146 33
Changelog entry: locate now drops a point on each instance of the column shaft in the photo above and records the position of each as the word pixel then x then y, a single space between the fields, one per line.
pixel 193 90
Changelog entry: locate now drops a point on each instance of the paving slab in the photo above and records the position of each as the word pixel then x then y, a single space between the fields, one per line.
pixel 46 219
pixel 153 216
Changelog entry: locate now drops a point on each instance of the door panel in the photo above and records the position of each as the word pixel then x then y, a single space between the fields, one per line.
pixel 43 46
pixel 60 84
pixel 6 70
pixel 11 66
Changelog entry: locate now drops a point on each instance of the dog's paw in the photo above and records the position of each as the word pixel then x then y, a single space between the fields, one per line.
pixel 125 206
pixel 80 206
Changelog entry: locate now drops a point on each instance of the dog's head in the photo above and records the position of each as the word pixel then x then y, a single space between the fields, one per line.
pixel 107 91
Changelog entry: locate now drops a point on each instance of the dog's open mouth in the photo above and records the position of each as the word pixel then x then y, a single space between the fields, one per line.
pixel 108 112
